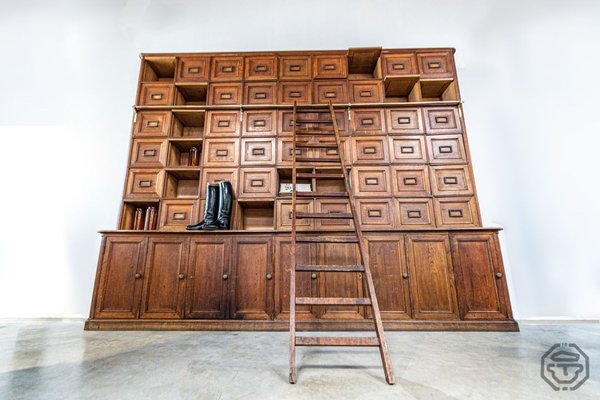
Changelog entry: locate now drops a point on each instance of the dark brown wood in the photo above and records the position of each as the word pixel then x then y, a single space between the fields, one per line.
pixel 330 268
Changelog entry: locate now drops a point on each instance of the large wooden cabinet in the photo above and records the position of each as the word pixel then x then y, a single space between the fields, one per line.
pixel 205 117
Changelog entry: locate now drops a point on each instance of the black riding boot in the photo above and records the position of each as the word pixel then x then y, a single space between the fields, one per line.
pixel 210 210
pixel 225 204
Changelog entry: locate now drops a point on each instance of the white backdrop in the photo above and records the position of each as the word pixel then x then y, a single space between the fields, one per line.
pixel 527 71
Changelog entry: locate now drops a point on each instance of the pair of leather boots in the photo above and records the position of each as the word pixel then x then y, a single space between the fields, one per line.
pixel 217 210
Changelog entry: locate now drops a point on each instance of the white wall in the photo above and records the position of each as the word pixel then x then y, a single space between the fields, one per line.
pixel 528 75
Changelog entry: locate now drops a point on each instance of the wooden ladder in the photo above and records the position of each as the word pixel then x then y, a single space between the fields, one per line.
pixel 371 300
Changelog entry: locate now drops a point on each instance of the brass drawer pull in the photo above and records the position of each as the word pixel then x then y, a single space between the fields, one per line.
pixel 403 120
pixel 179 216
pixel 441 120
pixel 299 152
pixel 193 70
pixel 149 153
pixel 225 96
pixel 260 95
pixel 450 180
pixel 434 65
pixel 407 150
pixel 156 96
pixel 257 182
pixel 410 181
pixel 329 67
pixel 152 124
pixel 259 122
pixel 145 183
pixel 330 95
pixel 331 152
pixel 223 123
pixel 369 150
pixel 365 93
pixel 455 213
pixel 445 149
pixel 221 152
pixel 259 151
pixel 228 68
pixel 367 121
pixel 374 213
pixel 294 68
pixel 261 68
pixel 398 67
pixel 413 214
pixel 295 94
pixel 371 181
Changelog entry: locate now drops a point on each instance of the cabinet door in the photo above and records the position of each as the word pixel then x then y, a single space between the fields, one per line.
pixel 306 282
pixel 118 294
pixel 208 277
pixel 480 277
pixel 339 284
pixel 431 280
pixel 252 270
pixel 165 272
pixel 386 260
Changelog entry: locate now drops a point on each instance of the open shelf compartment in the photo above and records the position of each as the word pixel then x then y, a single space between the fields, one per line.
pixel 255 215
pixel 182 183
pixel 188 123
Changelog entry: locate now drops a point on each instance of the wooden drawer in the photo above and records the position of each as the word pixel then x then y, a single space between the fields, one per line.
pixel 283 214
pixel 260 93
pixel 332 206
pixel 148 153
pixel 285 151
pixel 261 68
pixel 366 92
pixel 415 213
pixel 259 123
pixel 370 150
pixel 442 120
pixel 258 151
pixel 227 69
pixel 447 149
pixel 299 92
pixel 156 94
pixel 367 121
pixel 411 181
pixel 371 181
pixel 435 65
pixel 326 91
pixel 144 183
pixel 398 64
pixel 285 121
pixel 257 182
pixel 332 154
pixel 193 69
pixel 456 211
pixel 221 94
pixel 223 123
pixel 214 175
pixel 375 213
pixel 451 180
pixel 177 214
pixel 407 150
pixel 330 66
pixel 295 67
pixel 402 121
pixel 221 152
pixel 152 123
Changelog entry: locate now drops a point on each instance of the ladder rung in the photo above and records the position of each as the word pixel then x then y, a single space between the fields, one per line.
pixel 317 145
pixel 307 175
pixel 336 341
pixel 307 110
pixel 326 239
pixel 330 268
pixel 314 132
pixel 321 194
pixel 316 121
pixel 333 301
pixel 312 159
pixel 334 215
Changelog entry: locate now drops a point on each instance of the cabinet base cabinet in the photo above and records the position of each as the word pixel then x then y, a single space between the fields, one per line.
pixel 425 280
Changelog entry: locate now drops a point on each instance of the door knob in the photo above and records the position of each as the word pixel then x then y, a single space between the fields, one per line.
pixel 181 276
pixel 269 277
pixel 138 275
pixel 498 275
pixel 313 276
pixel 405 275
pixel 225 277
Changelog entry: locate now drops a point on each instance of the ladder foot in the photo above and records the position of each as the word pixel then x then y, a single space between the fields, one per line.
pixel 293 377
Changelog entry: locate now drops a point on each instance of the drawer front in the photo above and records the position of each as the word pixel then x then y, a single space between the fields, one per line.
pixel 399 64
pixel 144 183
pixel 260 93
pixel 295 67
pixel 221 152
pixel 330 66
pixel 435 65
pixel 152 123
pixel 259 68
pixel 404 121
pixel 326 91
pixel 299 92
pixel 257 182
pixel 415 213
pixel 333 154
pixel 369 181
pixel 447 149
pixel 221 94
pixel 156 94
pixel 375 213
pixel 148 153
pixel 442 120
pixel 456 211
pixel 411 181
pixel 193 69
pixel 285 151
pixel 258 151
pixel 408 150
pixel 227 69
pixel 451 180
pixel 214 175
pixel 259 123
pixel 365 121
pixel 370 150
pixel 177 214
pixel 366 92
pixel 333 206
pixel 223 123
pixel 284 214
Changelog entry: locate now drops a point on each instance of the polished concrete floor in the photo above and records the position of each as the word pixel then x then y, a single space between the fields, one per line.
pixel 58 360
